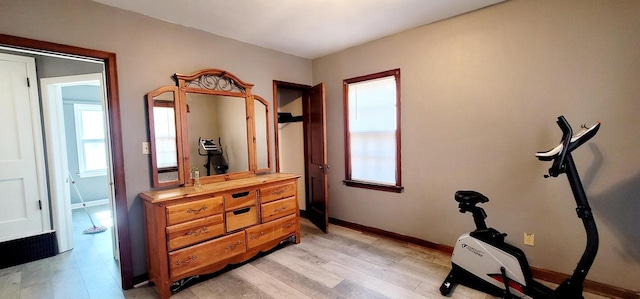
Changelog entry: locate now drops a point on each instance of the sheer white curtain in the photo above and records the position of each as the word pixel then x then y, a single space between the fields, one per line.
pixel 372 130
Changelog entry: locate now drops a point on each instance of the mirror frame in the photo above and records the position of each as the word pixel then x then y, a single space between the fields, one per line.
pixel 219 82
pixel 152 137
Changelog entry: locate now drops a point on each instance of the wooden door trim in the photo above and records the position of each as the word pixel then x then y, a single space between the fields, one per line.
pixel 109 59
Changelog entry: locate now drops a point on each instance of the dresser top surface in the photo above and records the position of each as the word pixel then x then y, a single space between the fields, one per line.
pixel 156 196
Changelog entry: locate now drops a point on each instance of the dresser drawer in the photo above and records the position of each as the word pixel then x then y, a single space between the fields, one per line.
pixel 183 234
pixel 277 209
pixel 239 199
pixel 241 218
pixel 204 254
pixel 264 233
pixel 192 210
pixel 277 192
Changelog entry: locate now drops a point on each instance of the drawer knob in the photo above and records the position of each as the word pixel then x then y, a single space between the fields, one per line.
pixel 192 211
pixel 197 232
pixel 257 236
pixel 180 262
pixel 276 210
pixel 278 192
pixel 233 246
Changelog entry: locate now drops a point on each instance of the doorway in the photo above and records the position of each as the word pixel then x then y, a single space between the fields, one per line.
pixel 300 137
pixel 116 164
pixel 77 147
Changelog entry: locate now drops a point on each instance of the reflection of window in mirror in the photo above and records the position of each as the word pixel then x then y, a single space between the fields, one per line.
pixel 165 142
pixel 164 137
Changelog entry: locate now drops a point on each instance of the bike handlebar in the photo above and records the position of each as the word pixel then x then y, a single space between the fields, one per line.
pixel 568 143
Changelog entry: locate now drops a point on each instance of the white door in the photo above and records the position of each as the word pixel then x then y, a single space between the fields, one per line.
pixel 24 204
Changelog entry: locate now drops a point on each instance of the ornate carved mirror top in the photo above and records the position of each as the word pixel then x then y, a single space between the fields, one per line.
pixel 222 130
pixel 214 80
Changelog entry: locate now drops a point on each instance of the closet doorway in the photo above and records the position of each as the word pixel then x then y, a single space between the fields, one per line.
pixel 300 136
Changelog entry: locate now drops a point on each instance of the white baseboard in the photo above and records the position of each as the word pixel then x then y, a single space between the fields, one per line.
pixel 92 203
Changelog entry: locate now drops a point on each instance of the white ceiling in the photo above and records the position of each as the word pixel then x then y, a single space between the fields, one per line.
pixel 305 28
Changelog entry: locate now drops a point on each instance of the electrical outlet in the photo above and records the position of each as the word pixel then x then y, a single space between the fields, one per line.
pixel 528 239
pixel 145 148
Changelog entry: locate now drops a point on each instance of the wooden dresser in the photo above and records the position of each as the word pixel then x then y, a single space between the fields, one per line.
pixel 199 230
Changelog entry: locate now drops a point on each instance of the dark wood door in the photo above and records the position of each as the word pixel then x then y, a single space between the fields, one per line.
pixel 316 156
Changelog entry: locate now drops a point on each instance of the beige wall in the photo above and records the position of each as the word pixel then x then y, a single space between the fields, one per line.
pixel 148 53
pixel 480 95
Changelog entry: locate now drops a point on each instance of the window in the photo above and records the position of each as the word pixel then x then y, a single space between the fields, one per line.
pixel 372 131
pixel 89 119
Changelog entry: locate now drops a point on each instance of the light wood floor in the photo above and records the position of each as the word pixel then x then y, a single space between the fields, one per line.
pixel 341 264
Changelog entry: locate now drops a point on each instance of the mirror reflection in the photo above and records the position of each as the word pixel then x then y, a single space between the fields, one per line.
pixel 164 139
pixel 217 130
pixel 262 133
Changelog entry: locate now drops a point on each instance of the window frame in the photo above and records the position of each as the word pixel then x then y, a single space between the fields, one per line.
pixel 348 181
pixel 78 108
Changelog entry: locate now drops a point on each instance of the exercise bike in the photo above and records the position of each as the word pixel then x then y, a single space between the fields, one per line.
pixel 484 261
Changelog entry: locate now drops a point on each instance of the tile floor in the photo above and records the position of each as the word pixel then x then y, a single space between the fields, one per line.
pixel 87 271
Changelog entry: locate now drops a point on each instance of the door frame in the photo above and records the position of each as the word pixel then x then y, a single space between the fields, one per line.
pixel 115 128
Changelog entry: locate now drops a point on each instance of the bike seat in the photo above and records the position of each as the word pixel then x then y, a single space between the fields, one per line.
pixel 470 197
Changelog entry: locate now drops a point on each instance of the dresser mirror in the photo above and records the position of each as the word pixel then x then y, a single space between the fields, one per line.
pixel 164 137
pixel 217 136
pixel 263 148
pixel 219 129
